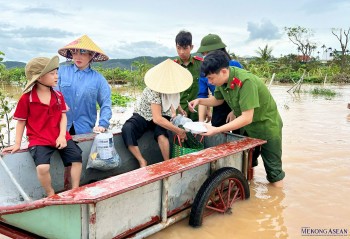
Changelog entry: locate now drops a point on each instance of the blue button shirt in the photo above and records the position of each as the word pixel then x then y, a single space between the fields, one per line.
pixel 82 89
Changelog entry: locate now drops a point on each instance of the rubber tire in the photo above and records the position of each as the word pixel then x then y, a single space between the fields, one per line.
pixel 212 182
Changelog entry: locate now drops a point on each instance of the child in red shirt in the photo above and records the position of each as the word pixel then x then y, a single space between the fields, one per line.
pixel 42 111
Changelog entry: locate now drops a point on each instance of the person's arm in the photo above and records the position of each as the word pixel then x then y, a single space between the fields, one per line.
pixel 244 119
pixel 163 122
pixel 203 87
pixel 204 112
pixel 105 103
pixel 231 116
pixel 211 101
pixel 181 111
pixel 173 111
pixel 61 141
pixel 19 134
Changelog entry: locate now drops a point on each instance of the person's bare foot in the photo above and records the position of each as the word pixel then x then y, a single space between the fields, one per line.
pixel 50 193
pixel 278 184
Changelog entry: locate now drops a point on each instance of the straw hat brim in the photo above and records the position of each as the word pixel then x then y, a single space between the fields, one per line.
pixel 50 66
pixel 168 77
pixel 84 43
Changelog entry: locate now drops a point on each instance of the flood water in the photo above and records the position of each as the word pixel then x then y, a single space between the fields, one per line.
pixel 316 158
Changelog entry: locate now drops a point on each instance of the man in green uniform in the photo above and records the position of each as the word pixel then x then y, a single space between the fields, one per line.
pixel 184 47
pixel 252 104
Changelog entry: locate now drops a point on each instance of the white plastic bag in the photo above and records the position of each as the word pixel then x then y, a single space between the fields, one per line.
pixel 103 155
pixel 180 120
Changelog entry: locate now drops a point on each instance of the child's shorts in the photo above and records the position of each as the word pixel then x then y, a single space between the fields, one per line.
pixel 70 154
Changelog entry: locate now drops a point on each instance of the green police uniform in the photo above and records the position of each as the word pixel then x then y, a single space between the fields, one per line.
pixel 245 91
pixel 192 92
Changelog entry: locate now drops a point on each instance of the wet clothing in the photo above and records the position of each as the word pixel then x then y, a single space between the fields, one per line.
pixel 82 89
pixel 142 119
pixel 69 154
pixel 42 121
pixel 192 92
pixel 245 91
pixel 220 112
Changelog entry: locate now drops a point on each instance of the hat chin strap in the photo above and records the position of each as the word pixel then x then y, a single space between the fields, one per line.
pixel 44 84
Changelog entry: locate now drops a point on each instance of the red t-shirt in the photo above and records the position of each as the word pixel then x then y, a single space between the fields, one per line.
pixel 42 121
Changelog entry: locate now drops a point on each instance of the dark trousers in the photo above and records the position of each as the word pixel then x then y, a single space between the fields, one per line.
pixel 220 113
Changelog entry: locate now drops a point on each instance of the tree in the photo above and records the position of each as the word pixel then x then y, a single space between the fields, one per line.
pixel 343 45
pixel 265 53
pixel 1 55
pixel 300 37
pixel 139 70
pixel 1 58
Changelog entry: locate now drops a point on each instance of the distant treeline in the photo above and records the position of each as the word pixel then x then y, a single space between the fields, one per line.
pixel 112 63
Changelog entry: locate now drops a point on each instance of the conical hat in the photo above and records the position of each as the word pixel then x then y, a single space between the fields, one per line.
pixel 85 43
pixel 168 77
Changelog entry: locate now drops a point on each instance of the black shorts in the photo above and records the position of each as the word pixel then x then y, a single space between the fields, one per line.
pixel 42 154
pixel 136 126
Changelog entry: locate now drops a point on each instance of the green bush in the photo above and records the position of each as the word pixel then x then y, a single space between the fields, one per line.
pixel 120 100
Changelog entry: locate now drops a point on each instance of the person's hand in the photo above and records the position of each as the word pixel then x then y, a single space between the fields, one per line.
pixel 182 134
pixel 230 117
pixel 182 111
pixel 211 130
pixel 192 104
pixel 97 129
pixel 61 142
pixel 13 148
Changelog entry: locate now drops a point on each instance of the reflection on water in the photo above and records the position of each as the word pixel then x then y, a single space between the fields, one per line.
pixel 316 156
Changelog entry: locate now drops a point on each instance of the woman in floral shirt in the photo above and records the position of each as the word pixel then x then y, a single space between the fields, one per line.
pixel 164 83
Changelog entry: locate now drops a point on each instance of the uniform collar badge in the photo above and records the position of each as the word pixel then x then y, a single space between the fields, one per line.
pixel 237 82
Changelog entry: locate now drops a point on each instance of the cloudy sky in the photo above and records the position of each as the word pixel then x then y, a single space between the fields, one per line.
pixel 127 29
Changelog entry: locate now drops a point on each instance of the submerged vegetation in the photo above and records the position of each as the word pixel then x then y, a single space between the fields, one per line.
pixel 327 93
pixel 323 91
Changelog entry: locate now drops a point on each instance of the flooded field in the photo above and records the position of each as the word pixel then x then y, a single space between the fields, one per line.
pixel 316 156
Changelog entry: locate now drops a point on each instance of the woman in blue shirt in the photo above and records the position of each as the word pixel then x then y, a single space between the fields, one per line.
pixel 83 87
pixel 221 114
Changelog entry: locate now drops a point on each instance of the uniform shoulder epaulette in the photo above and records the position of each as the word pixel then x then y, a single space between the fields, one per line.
pixel 198 58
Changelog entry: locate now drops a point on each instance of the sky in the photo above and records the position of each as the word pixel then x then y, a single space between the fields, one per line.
pixel 128 29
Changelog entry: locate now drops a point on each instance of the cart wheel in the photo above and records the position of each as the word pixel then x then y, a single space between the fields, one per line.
pixel 218 193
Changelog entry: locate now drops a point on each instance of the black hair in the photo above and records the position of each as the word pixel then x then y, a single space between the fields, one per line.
pixel 224 50
pixel 183 38
pixel 214 62
pixel 69 55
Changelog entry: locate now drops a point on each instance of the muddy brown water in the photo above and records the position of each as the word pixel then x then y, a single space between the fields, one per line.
pixel 316 159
